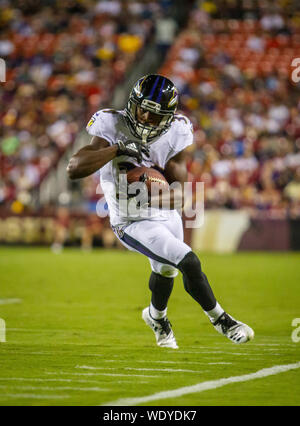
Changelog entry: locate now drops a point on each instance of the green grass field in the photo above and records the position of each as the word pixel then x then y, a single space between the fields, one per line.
pixel 75 336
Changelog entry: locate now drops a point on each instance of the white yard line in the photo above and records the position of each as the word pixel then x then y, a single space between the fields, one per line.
pixel 9 301
pixel 37 379
pixel 169 370
pixel 179 352
pixel 40 330
pixel 148 361
pixel 32 396
pixel 105 374
pixel 217 363
pixel 204 386
pixel 16 352
pixel 57 388
pixel 130 381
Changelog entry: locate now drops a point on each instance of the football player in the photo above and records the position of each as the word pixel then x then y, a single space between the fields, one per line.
pixel 149 133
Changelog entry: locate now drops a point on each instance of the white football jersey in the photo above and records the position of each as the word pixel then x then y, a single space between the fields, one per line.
pixel 111 125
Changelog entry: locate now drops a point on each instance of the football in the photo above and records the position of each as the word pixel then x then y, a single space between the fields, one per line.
pixel 150 176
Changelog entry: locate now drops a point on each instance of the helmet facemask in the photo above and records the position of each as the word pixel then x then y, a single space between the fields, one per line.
pixel 162 113
pixel 147 131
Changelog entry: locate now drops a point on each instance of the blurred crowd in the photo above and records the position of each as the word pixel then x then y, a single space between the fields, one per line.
pixel 63 61
pixel 235 80
pixel 231 64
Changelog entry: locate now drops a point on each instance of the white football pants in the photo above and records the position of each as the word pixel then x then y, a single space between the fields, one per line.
pixel 161 241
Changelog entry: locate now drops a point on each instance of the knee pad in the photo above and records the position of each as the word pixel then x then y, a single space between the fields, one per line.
pixel 190 264
pixel 195 281
pixel 192 274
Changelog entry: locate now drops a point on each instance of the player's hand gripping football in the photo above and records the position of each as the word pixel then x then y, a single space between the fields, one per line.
pixel 133 149
pixel 137 198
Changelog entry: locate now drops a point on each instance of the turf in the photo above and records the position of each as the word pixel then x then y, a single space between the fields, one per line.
pixel 79 310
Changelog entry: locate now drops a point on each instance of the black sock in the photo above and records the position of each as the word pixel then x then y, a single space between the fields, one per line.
pixel 161 288
pixel 195 281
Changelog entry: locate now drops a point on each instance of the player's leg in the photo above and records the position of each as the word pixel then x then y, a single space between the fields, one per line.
pixel 161 288
pixel 157 242
pixel 162 277
pixel 195 281
pixel 160 283
pixel 162 243
pixel 155 315
pixel 198 288
pixel 154 239
pixel 197 285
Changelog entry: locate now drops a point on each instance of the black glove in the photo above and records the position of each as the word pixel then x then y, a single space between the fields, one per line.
pixel 133 149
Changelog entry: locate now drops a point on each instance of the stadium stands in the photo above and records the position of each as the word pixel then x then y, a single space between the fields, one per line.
pixel 235 79
pixel 232 64
pixel 63 61
pixel 234 76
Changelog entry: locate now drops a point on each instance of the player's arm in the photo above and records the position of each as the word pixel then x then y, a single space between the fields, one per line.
pixel 175 171
pixel 91 158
